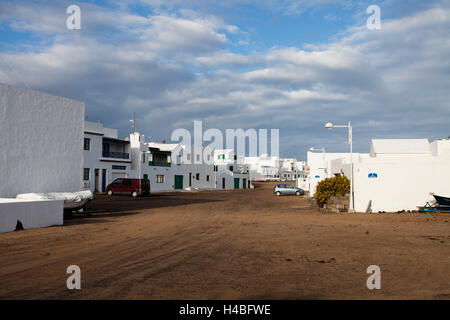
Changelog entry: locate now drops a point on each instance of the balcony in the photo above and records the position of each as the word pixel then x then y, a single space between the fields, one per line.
pixel 115 155
pixel 159 164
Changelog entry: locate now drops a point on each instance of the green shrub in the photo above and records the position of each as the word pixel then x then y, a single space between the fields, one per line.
pixel 337 186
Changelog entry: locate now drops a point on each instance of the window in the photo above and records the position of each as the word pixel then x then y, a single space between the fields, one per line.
pixel 231 168
pixel 119 167
pixel 188 157
pixel 235 157
pixel 198 157
pixel 86 174
pixel 209 157
pixel 197 176
pixel 159 178
pixel 87 144
pixel 207 177
pixel 179 160
pixel 216 168
pixel 143 157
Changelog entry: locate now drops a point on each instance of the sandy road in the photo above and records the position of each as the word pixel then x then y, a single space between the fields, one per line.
pixel 243 244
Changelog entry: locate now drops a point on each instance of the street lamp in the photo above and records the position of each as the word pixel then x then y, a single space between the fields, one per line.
pixel 330 126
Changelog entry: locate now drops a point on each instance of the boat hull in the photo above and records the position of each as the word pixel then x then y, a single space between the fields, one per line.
pixel 442 201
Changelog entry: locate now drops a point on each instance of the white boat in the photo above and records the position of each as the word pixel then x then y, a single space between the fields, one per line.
pixel 72 200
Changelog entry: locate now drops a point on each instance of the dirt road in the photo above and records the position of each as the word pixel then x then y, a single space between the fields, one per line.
pixel 245 244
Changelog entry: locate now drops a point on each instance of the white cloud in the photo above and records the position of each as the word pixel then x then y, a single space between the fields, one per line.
pixel 390 82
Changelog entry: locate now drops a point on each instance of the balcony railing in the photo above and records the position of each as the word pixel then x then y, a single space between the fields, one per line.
pixel 159 164
pixel 115 155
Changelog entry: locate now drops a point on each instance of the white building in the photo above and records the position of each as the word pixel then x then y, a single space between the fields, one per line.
pixel 106 157
pixel 319 167
pixel 291 169
pixel 399 175
pixel 263 167
pixel 231 170
pixel 175 167
pixel 41 138
pixel 41 142
pixel 266 168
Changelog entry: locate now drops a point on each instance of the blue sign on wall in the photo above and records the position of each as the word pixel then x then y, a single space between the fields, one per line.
pixel 317 177
pixel 373 175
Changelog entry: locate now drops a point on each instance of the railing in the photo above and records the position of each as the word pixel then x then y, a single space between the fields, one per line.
pixel 159 164
pixel 116 155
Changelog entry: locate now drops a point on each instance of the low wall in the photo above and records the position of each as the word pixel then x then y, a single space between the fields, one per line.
pixel 337 204
pixel 31 213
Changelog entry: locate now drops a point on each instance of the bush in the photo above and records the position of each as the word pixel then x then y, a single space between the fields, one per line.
pixel 337 186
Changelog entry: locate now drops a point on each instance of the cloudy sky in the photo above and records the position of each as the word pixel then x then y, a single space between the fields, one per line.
pixel 292 65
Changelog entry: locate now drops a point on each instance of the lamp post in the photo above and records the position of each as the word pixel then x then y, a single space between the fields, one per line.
pixel 330 126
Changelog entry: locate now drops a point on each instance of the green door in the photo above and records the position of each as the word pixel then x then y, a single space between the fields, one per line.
pixel 178 182
pixel 236 183
pixel 244 183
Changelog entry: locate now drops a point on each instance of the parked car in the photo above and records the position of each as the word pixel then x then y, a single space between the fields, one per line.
pixel 287 189
pixel 133 187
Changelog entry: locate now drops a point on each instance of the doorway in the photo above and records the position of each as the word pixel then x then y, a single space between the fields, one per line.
pixel 178 182
pixel 97 180
pixel 236 183
pixel 104 180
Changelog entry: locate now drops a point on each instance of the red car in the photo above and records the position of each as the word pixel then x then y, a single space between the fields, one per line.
pixel 133 187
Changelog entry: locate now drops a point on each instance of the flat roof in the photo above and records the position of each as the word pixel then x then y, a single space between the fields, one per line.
pixel 400 146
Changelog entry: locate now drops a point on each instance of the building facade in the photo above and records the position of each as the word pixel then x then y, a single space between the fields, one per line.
pixel 106 157
pixel 41 142
pixel 263 167
pixel 172 167
pixel 399 174
pixel 319 167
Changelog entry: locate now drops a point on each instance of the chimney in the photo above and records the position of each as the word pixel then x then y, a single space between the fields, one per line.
pixel 164 141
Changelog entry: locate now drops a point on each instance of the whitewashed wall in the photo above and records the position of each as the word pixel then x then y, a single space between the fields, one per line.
pixel 140 168
pixel 41 142
pixel 31 213
pixel 93 158
pixel 321 166
pixel 401 184
pixel 169 176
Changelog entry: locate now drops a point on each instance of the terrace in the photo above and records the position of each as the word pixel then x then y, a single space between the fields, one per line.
pixel 115 149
